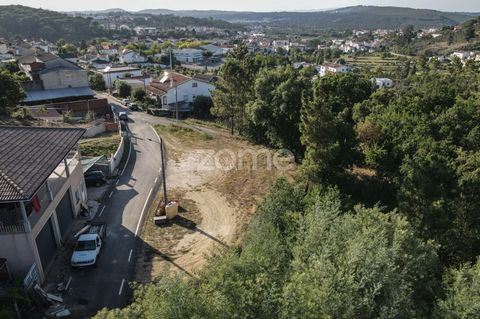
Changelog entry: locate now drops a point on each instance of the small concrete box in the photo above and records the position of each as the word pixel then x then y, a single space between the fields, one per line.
pixel 171 210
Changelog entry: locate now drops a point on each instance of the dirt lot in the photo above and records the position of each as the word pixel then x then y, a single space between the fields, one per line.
pixel 218 180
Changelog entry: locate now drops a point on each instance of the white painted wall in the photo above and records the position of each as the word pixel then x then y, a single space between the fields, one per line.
pixel 187 92
pixel 16 248
pixel 111 77
pixel 64 78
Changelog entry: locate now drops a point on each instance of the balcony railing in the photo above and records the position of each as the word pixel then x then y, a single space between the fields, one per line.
pixel 11 220
pixel 21 227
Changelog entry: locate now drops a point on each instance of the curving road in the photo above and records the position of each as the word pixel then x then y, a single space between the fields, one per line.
pixel 92 289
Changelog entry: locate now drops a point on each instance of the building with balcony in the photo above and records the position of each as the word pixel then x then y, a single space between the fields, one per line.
pixel 42 190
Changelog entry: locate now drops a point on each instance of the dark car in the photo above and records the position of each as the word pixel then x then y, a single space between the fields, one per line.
pixel 95 178
pixel 133 107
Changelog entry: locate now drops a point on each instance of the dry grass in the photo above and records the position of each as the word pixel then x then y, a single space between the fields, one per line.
pixel 103 145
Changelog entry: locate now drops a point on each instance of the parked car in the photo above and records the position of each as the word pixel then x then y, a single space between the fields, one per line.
pixel 89 245
pixel 133 107
pixel 125 101
pixel 123 116
pixel 95 178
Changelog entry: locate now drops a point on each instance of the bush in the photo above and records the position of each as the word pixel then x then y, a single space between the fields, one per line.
pixel 123 89
pixel 139 95
pixel 202 106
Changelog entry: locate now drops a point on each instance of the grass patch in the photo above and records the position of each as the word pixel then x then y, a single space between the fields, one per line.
pixel 105 145
pixel 182 132
pixel 207 123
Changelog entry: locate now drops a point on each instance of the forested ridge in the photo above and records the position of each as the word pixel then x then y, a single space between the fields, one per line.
pixel 26 22
pixel 30 23
pixel 383 220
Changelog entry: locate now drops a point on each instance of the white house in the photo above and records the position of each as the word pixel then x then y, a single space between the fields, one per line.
pixel 382 82
pixel 280 44
pixel 111 74
pixel 188 55
pixel 3 47
pixel 107 49
pixel 129 56
pixel 174 87
pixel 298 65
pixel 463 55
pixel 333 68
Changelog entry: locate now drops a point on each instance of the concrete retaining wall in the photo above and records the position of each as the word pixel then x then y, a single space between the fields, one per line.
pixel 95 130
pixel 117 157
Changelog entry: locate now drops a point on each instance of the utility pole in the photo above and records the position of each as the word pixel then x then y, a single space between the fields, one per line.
pixel 165 200
pixel 176 101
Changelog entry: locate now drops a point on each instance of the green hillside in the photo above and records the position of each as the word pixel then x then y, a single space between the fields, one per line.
pixel 33 23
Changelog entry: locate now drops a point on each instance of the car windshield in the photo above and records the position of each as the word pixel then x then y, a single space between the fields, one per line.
pixel 86 245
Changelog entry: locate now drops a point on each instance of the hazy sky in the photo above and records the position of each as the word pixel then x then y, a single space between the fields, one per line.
pixel 245 5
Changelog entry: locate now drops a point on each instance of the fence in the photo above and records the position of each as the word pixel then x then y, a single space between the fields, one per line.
pixel 21 227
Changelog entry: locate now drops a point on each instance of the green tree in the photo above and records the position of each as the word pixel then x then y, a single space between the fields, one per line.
pixel 469 30
pixel 327 126
pixel 235 88
pixel 123 89
pixel 359 257
pixel 202 106
pixel 207 55
pixel 96 82
pixel 275 111
pixel 11 93
pixel 462 300
pixel 139 94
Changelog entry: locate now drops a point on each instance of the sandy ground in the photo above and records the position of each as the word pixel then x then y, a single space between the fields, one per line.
pixel 218 190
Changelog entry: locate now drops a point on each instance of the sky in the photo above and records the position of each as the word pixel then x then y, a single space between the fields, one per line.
pixel 243 5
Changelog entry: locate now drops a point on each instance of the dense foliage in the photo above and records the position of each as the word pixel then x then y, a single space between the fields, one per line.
pixel 305 257
pixel 11 93
pixel 32 23
pixel 96 82
pixel 386 204
pixel 356 17
pixel 462 299
pixel 123 89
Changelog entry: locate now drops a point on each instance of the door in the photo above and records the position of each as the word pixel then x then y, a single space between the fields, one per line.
pixel 65 215
pixel 46 244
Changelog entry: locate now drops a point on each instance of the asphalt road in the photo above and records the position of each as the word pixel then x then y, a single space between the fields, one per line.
pixel 124 210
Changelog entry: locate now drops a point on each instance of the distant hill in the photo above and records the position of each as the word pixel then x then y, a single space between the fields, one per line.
pixel 365 17
pixel 31 23
pixel 100 11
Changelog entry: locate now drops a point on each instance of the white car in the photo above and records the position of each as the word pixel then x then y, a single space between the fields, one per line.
pixel 125 101
pixel 88 246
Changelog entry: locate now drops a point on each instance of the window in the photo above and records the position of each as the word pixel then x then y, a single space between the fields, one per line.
pixel 194 84
pixel 164 100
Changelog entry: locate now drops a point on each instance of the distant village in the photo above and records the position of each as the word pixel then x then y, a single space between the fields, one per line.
pixel 163 66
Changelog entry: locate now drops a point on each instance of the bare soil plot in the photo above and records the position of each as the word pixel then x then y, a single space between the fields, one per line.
pixel 218 180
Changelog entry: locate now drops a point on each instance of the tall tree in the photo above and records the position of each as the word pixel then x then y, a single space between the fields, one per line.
pixel 235 88
pixel 275 111
pixel 123 89
pixel 96 82
pixel 327 126
pixel 11 93
pixel 462 298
